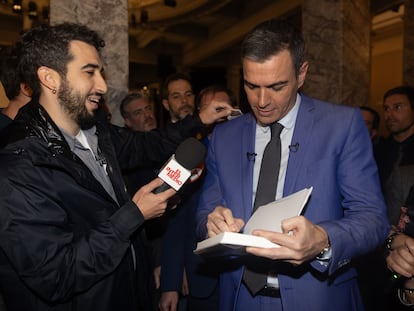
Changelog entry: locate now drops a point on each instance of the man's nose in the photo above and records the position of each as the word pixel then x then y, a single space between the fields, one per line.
pixel 262 97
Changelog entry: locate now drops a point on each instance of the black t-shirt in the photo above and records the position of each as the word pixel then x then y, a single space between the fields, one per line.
pixel 390 153
pixel 4 121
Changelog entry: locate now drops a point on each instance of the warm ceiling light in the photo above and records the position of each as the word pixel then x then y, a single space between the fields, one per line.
pixel 17 6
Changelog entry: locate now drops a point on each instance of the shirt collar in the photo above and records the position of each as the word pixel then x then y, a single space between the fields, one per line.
pixel 89 133
pixel 289 120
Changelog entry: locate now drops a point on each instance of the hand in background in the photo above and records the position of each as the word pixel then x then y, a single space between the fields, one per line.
pixel 168 301
pixel 401 258
pixel 214 112
pixel 157 276
pixel 184 288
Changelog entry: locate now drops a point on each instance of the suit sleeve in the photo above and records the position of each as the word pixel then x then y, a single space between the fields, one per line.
pixel 173 251
pixel 360 224
pixel 152 149
pixel 211 195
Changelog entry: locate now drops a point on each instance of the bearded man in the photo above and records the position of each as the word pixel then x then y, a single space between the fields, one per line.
pixel 70 235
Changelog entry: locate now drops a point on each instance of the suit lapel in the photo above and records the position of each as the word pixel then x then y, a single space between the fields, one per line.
pixel 247 162
pixel 301 136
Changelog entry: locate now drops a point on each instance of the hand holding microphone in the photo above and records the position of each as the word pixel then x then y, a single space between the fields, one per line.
pixel 177 170
pixel 152 198
pixel 152 205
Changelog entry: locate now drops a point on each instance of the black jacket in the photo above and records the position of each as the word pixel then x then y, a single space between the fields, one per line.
pixel 65 244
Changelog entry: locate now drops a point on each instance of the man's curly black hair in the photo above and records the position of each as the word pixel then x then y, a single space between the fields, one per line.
pixel 49 46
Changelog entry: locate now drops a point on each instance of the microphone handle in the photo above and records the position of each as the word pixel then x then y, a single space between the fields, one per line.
pixel 162 188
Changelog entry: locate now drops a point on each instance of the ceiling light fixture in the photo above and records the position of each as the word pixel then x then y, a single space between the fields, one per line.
pixel 17 7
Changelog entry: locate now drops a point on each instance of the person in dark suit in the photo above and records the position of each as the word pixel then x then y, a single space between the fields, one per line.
pixel 398 148
pixel 323 145
pixel 179 262
pixel 372 119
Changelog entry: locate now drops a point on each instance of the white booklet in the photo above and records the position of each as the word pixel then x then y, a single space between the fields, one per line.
pixel 267 217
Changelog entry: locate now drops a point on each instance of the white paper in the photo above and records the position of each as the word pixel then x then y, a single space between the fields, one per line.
pixel 267 217
pixel 270 216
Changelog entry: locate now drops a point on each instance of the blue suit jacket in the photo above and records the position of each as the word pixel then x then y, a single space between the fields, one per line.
pixel 334 155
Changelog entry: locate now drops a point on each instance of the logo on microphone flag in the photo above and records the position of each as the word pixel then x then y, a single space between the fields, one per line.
pixel 174 174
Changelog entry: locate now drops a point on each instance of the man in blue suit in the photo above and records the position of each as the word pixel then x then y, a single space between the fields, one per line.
pixel 323 145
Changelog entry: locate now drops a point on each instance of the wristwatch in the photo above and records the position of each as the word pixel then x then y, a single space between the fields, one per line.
pixel 325 254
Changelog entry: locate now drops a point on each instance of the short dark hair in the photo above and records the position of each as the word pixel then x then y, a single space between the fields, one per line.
pixel 375 114
pixel 129 98
pixel 171 78
pixel 272 37
pixel 48 46
pixel 215 88
pixel 9 76
pixel 401 90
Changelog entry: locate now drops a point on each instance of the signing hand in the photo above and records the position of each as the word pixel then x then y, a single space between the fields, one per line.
pixel 222 220
pixel 300 241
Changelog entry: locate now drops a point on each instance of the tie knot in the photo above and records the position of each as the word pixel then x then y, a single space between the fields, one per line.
pixel 276 128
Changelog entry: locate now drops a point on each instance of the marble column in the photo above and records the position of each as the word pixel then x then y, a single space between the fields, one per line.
pixel 110 19
pixel 337 34
pixel 233 80
pixel 233 72
pixel 408 48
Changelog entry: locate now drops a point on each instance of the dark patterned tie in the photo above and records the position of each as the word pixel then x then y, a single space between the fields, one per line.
pixel 265 193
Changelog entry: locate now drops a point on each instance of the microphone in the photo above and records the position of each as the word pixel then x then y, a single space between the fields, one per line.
pixel 251 156
pixel 178 168
pixel 294 147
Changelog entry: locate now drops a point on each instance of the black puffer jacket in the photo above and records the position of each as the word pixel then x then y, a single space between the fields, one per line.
pixel 65 244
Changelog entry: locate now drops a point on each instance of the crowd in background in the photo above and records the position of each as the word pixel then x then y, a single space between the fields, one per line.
pixel 162 238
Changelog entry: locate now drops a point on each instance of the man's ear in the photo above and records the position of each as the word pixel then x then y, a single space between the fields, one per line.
pixel 26 89
pixel 49 78
pixel 165 104
pixel 127 122
pixel 302 74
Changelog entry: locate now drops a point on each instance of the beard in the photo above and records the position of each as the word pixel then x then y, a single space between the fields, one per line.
pixel 74 104
pixel 183 111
